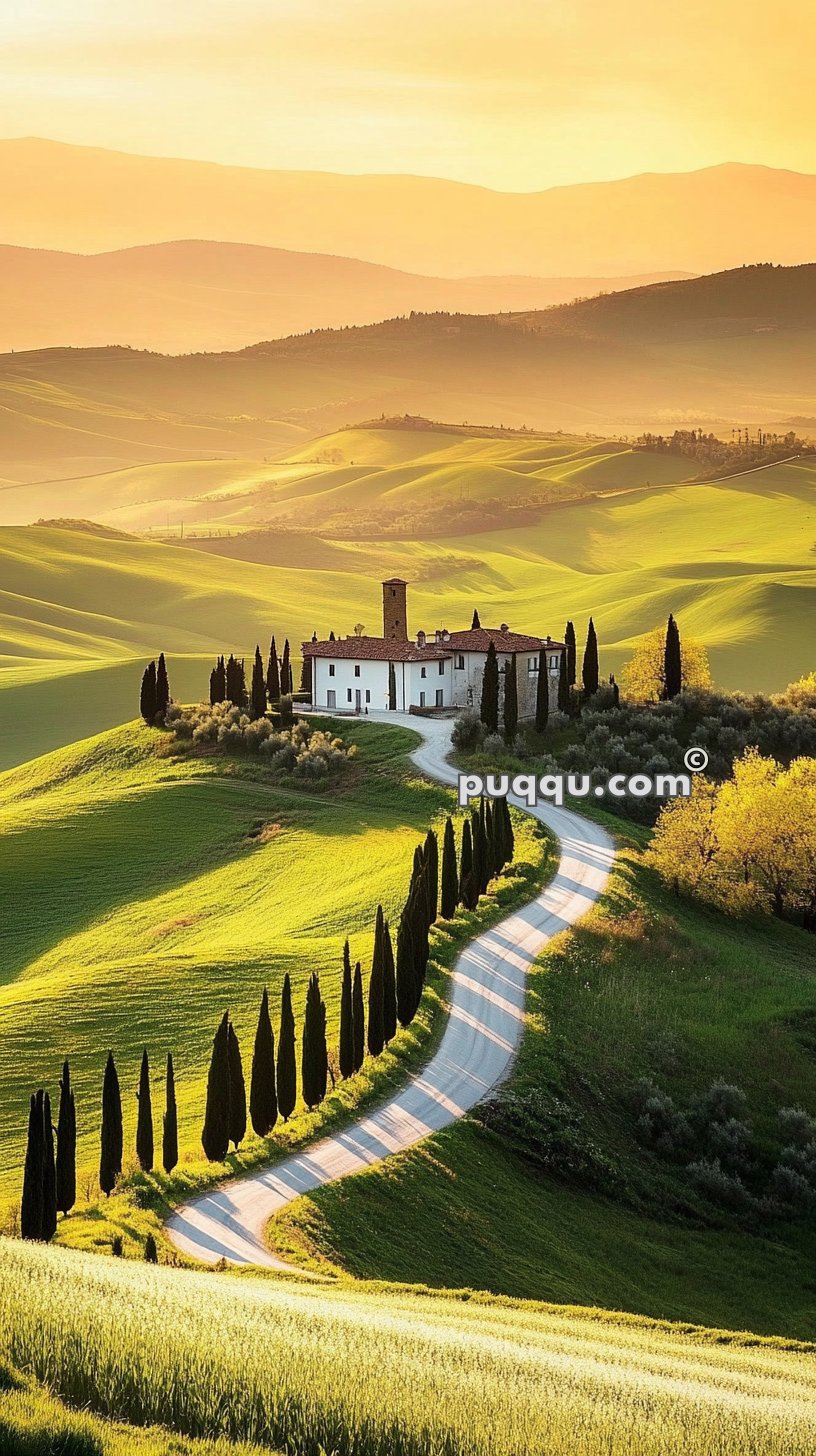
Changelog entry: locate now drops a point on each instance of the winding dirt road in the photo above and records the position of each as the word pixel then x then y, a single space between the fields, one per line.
pixel 479 1042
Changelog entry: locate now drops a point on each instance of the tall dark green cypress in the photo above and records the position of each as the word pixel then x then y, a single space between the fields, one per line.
pixel 144 1119
pixel 489 704
pixel 273 684
pixel 431 857
pixel 162 688
pixel 358 1010
pixel 237 1090
pixel 215 1133
pixel 479 851
pixel 346 1051
pixel 286 670
pixel 450 872
pixel 66 1144
pixel 510 700
pixel 151 1253
pixel 468 889
pixel 287 1068
pixel 218 682
pixel 509 836
pixel 147 696
pixel 213 687
pixel 542 707
pixel 490 840
pixel 672 661
pixel 571 654
pixel 475 621
pixel 389 987
pixel 563 685
pixel 31 1208
pixel 306 675
pixel 376 1038
pixel 418 909
pixel 263 1102
pixel 170 1152
pixel 257 695
pixel 406 994
pixel 110 1157
pixel 487 870
pixel 315 1061
pixel 49 1201
pixel 589 667
pixel 392 687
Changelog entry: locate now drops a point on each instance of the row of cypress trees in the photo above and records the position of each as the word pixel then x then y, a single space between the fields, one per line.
pixel 49 1177
pixel 154 698
pixel 268 684
pixel 489 703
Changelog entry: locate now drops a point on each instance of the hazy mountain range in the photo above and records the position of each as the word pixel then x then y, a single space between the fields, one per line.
pixel 83 199
pixel 181 297
pixel 734 348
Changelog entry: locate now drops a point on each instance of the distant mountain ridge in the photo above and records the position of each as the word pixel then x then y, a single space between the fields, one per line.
pixel 89 200
pixel 190 296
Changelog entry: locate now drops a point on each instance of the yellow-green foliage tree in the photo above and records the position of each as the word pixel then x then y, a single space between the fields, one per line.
pixel 749 844
pixel 642 676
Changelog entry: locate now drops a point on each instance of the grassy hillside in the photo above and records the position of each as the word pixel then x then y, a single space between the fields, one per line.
pixel 644 987
pixel 734 348
pixel 139 883
pixel 365 1372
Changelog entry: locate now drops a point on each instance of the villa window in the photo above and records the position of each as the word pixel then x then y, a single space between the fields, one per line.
pixel 423 672
pixel 532 665
pixel 348 694
pixel 331 669
pixel 441 669
pixel 554 663
pixel 368 695
pixel 460 660
pixel 356 669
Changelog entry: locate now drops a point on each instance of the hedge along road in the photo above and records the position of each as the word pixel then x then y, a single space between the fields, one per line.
pixel 485 1021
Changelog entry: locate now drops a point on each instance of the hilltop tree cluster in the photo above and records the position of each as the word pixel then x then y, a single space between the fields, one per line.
pixel 154 698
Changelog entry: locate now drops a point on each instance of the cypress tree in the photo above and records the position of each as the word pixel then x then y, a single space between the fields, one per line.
pixel 475 623
pixel 218 682
pixel 286 670
pixel 389 987
pixel 392 687
pixel 406 995
pixel 490 840
pixel 49 1200
pixel 418 887
pixel 144 1120
pixel 170 1121
pixel 450 873
pixel 66 1144
pixel 589 668
pixel 418 903
pixel 237 1091
pixel 571 654
pixel 287 1070
pixel 489 705
pixel 213 687
pixel 376 1038
pixel 31 1208
pixel 162 688
pixel 468 892
pixel 431 857
pixel 479 852
pixel 257 696
pixel 346 1019
pixel 563 685
pixel 672 661
pixel 306 675
pixel 151 1253
pixel 510 700
pixel 147 697
pixel 110 1159
pixel 315 1061
pixel 273 683
pixel 263 1102
pixel 358 1017
pixel 215 1133
pixel 542 708
pixel 509 836
pixel 486 828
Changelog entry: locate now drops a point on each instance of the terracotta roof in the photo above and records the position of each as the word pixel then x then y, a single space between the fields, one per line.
pixel 478 639
pixel 375 649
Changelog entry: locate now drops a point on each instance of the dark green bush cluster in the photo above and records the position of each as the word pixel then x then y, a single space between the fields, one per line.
pixel 715 1143
pixel 550 1134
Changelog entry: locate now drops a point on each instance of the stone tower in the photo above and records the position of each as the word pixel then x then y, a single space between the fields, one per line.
pixel 395 611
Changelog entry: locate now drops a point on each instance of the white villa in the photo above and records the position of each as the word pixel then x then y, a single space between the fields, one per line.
pixel 434 670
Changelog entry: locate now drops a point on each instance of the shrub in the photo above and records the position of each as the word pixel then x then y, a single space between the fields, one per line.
pixel 798 1127
pixel 468 732
pixel 714 1182
pixel 550 1134
pixel 660 1125
pixel 299 751
pixel 789 1189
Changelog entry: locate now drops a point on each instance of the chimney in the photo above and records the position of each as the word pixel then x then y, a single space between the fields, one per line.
pixel 395 611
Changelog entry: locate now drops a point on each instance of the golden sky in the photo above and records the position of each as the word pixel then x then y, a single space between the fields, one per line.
pixel 515 94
